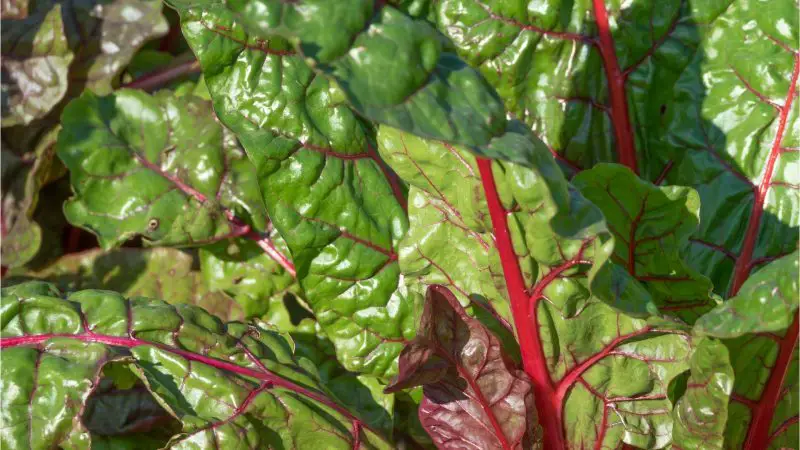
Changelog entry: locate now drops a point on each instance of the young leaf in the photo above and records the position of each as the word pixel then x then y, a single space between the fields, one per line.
pixel 159 167
pixel 651 225
pixel 226 383
pixel 36 58
pixel 157 272
pixel 324 187
pixel 600 377
pixel 473 394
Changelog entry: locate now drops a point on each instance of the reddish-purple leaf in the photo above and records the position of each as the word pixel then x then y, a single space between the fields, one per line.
pixel 474 396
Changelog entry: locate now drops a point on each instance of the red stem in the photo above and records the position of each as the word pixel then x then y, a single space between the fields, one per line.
pixel 743 266
pixel 158 78
pixel 759 432
pixel 533 359
pixel 616 89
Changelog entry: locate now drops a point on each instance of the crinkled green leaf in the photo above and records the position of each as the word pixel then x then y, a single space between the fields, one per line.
pixel 253 278
pixel 36 59
pixel 228 384
pixel 433 94
pixel 766 302
pixel 157 272
pixel 324 187
pixel 608 372
pixel 701 413
pixel 651 225
pixel 157 166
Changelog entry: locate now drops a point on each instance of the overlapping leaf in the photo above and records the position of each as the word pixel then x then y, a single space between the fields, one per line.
pixel 226 383
pixel 158 273
pixel 474 396
pixel 603 374
pixel 159 167
pixel 651 226
pixel 324 189
pixel 760 328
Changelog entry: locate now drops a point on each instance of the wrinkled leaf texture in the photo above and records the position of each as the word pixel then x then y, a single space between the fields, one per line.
pixel 229 384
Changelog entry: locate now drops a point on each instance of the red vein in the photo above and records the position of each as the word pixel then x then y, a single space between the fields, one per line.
pixel 759 430
pixel 632 238
pixel 616 89
pixel 159 78
pixel 782 428
pixel 743 266
pixel 239 228
pixel 531 348
pixel 484 404
pixel 132 342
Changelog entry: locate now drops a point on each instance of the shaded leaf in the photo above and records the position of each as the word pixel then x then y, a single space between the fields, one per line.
pixel 159 167
pixel 158 273
pixel 36 59
pixel 473 394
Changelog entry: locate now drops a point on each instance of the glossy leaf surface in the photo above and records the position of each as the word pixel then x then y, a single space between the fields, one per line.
pixel 159 167
pixel 254 391
pixel 324 188
pixel 474 395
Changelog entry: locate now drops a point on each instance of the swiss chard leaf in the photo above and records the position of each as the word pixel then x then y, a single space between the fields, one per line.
pixel 36 59
pixel 159 167
pixel 474 396
pixel 156 272
pixel 602 376
pixel 760 328
pixel 226 383
pixel 324 187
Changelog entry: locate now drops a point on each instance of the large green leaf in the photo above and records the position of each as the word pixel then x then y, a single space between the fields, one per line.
pixel 36 58
pixel 600 377
pixel 390 67
pixel 159 167
pixel 157 272
pixel 228 384
pixel 324 187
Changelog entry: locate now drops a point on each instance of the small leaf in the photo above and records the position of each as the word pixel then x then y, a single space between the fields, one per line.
pixel 473 394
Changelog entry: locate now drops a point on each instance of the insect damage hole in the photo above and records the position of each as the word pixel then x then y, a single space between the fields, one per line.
pixel 152 225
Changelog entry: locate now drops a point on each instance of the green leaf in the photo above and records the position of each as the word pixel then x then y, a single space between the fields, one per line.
pixel 701 413
pixel 159 167
pixel 390 67
pixel 36 59
pixel 324 187
pixel 226 383
pixel 259 285
pixel 766 302
pixel 157 272
pixel 607 371
pixel 651 225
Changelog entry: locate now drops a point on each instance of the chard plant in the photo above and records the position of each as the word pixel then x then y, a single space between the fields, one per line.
pixel 460 224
